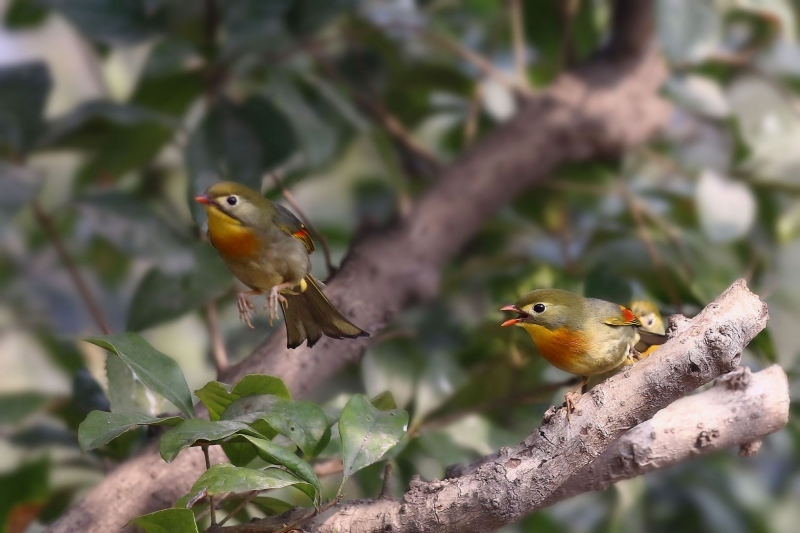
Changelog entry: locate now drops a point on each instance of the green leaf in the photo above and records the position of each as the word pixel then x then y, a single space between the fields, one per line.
pixel 118 137
pixel 24 14
pixel 167 521
pixel 100 427
pixel 14 408
pixel 126 394
pixel 90 123
pixel 223 478
pixel 161 297
pixel 238 142
pixel 368 433
pixel 384 401
pixel 304 422
pixel 23 94
pixel 114 21
pixel 195 430
pixel 278 455
pixel 159 372
pixel 217 397
pixel 253 384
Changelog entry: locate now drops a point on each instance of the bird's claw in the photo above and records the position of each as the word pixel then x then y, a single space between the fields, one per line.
pixel 571 399
pixel 245 306
pixel 273 300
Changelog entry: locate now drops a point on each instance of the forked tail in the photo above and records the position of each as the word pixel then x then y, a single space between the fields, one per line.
pixel 309 315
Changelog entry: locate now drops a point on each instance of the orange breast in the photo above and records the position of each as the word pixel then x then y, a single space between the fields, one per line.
pixel 562 348
pixel 229 237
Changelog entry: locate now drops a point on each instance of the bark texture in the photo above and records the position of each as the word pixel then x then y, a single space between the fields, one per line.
pixel 516 482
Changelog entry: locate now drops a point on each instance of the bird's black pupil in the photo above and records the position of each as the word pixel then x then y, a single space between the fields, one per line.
pixel 231 200
pixel 539 308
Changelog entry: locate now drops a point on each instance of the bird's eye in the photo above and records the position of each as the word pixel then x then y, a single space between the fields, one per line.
pixel 649 321
pixel 232 200
pixel 538 308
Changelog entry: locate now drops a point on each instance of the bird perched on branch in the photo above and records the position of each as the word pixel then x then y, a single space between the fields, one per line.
pixel 651 320
pixel 581 336
pixel 266 247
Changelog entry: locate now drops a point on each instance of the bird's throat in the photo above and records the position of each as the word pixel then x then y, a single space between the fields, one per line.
pixel 561 347
pixel 232 239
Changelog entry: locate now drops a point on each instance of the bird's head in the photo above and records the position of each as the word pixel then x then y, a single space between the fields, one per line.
pixel 649 316
pixel 549 308
pixel 238 202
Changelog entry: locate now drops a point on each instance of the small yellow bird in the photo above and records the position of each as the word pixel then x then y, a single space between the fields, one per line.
pixel 581 336
pixel 266 247
pixel 651 320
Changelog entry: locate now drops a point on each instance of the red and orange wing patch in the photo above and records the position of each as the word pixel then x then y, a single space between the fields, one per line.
pixel 626 318
pixel 304 236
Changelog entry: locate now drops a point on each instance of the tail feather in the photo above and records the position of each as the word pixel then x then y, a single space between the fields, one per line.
pixel 309 315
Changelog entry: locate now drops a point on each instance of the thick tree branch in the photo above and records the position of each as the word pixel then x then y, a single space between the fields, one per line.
pixel 740 409
pixel 521 480
pixel 601 110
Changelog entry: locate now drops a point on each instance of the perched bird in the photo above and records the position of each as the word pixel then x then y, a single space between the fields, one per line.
pixel 266 247
pixel 651 320
pixel 582 336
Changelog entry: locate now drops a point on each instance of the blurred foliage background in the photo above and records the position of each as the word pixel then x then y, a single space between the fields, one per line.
pixel 115 113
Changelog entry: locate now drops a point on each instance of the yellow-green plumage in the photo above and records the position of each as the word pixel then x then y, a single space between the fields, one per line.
pixel 265 246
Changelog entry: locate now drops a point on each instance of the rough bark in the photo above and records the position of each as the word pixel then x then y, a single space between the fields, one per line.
pixel 691 427
pixel 600 110
pixel 739 410
pixel 516 482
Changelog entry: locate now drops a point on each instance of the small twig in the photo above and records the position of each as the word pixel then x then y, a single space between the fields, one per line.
pixel 518 41
pixel 477 60
pixel 569 10
pixel 215 336
pixel 473 116
pixel 386 488
pixel 49 228
pixel 303 218
pixel 378 112
pixel 652 250
pixel 210 497
pixel 239 507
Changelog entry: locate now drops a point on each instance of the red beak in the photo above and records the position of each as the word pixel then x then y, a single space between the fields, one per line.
pixel 512 321
pixel 202 199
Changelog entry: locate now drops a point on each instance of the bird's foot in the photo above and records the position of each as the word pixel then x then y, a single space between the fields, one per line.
pixel 245 306
pixel 274 299
pixel 633 356
pixel 571 399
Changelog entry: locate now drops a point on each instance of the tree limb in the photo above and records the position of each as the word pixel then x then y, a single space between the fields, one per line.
pixel 608 106
pixel 740 409
pixel 518 481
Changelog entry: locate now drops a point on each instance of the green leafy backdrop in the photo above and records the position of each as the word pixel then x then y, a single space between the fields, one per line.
pixel 115 114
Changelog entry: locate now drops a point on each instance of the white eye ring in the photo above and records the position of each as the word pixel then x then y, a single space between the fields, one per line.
pixel 232 200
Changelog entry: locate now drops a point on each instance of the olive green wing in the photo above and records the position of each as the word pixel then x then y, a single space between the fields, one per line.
pixel 290 224
pixel 625 317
